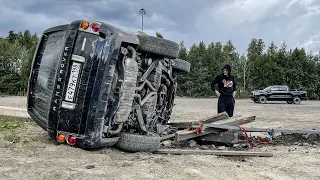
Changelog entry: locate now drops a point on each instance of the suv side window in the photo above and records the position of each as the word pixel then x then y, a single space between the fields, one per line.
pixel 283 89
pixel 274 89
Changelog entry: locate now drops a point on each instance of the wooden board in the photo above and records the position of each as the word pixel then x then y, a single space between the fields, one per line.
pixel 167 137
pixel 183 124
pixel 184 135
pixel 236 121
pixel 213 152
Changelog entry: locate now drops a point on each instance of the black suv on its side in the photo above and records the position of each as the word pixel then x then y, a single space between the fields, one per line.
pixel 278 93
pixel 94 85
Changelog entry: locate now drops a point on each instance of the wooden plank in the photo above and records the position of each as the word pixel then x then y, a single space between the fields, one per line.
pixel 285 131
pixel 236 121
pixel 213 152
pixel 215 118
pixel 184 135
pixel 167 137
pixel 183 124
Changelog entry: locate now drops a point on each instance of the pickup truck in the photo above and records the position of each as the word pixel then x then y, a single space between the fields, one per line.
pixel 278 93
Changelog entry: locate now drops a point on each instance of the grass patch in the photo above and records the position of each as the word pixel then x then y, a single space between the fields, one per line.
pixel 12 138
pixel 9 123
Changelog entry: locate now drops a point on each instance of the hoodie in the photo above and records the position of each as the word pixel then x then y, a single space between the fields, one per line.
pixel 226 84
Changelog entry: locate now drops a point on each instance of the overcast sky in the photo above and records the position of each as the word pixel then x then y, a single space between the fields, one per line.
pixel 294 21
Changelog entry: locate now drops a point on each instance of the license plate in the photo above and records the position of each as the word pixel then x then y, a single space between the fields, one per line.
pixel 73 80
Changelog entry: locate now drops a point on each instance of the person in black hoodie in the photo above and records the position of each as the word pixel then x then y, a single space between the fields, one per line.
pixel 225 90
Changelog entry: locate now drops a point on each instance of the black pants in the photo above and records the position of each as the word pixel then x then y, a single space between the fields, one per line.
pixel 226 104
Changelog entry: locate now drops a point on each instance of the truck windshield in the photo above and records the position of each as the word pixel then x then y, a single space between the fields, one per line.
pixel 267 88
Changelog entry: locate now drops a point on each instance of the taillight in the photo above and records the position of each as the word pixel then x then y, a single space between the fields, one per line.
pixel 60 138
pixel 90 26
pixel 95 27
pixel 84 25
pixel 71 140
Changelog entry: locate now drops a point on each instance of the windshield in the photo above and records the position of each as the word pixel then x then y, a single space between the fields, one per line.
pixel 267 88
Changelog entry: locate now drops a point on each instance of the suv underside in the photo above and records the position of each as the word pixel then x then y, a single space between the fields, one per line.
pixel 148 93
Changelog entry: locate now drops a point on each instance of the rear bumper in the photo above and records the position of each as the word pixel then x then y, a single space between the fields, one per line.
pixel 86 141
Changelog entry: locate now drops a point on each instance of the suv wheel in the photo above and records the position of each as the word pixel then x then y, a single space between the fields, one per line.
pixel 158 46
pixel 296 100
pixel 181 65
pixel 262 99
pixel 139 143
pixel 289 102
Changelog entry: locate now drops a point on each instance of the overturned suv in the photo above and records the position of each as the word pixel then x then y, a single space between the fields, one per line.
pixel 93 85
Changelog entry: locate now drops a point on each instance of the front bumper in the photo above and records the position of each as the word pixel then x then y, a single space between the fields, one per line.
pixel 254 97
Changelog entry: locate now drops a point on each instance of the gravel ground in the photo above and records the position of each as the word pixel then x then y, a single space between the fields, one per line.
pixel 37 157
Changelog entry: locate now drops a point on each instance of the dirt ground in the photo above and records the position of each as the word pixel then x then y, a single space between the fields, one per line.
pixel 34 156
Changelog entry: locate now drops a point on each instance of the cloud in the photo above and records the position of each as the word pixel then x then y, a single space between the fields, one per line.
pixel 192 21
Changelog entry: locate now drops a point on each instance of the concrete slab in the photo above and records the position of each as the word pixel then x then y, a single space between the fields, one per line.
pixel 13 112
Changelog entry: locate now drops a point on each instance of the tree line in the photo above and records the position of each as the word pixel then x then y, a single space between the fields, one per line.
pixel 259 67
pixel 16 54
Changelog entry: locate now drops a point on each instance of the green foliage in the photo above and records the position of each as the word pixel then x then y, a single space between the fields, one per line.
pixel 16 54
pixel 10 123
pixel 13 138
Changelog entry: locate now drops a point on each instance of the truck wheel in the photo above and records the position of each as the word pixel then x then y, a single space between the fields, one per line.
pixel 262 99
pixel 296 100
pixel 181 65
pixel 138 143
pixel 158 46
pixel 289 102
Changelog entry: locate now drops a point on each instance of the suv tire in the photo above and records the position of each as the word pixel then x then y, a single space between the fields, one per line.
pixel 158 46
pixel 181 65
pixel 296 100
pixel 262 99
pixel 139 143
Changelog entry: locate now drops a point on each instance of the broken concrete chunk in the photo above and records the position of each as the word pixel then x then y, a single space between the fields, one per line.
pixel 236 145
pixel 221 148
pixel 192 143
pixel 226 137
pixel 166 143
